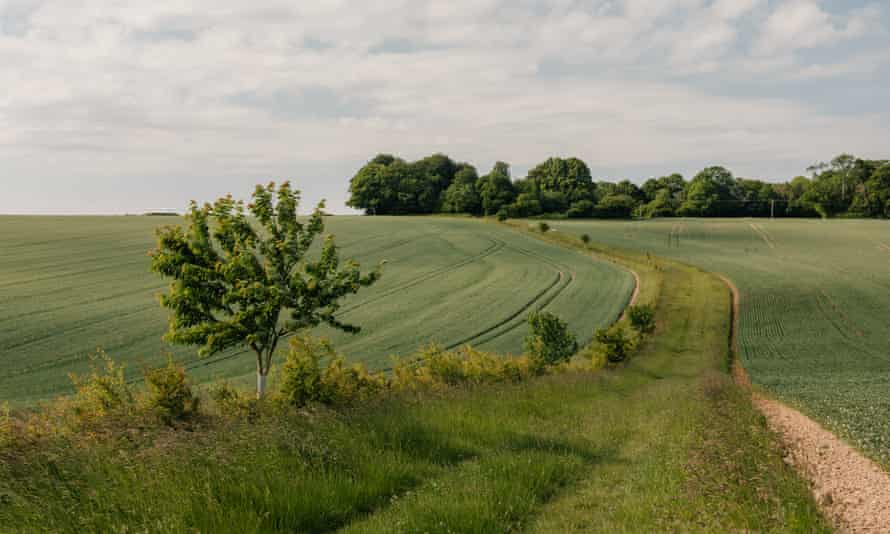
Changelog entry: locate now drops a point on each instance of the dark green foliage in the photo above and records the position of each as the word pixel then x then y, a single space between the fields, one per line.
pixel 526 205
pixel 585 238
pixel 561 175
pixel 642 317
pixel 391 186
pixel 846 185
pixel 550 338
pixel 615 342
pixel 581 208
pixel 554 202
pixel 543 227
pixel 663 205
pixel 706 191
pixel 616 206
pixel 242 285
pixel 496 189
pixel 170 395
pixel 462 195
pixel 503 215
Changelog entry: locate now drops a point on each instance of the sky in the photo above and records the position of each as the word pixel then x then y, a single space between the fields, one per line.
pixel 123 107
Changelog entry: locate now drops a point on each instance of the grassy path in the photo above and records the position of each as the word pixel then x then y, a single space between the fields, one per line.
pixel 667 442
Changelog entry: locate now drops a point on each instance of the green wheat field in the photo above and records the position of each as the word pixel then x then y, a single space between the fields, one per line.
pixel 72 285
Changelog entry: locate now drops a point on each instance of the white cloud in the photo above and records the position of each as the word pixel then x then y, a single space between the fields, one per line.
pixel 105 88
pixel 804 24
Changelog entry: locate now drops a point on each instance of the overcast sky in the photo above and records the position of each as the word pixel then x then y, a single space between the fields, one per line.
pixel 123 106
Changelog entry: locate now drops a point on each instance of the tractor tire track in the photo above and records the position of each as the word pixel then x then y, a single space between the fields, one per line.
pixel 763 235
pixel 496 246
pixel 543 299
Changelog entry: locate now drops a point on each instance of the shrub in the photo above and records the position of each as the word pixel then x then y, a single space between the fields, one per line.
pixel 103 391
pixel 230 401
pixel 585 238
pixel 305 379
pixel 521 368
pixel 170 395
pixel 443 366
pixel 347 384
pixel 302 373
pixel 543 227
pixel 549 339
pixel 436 368
pixel 616 343
pixel 408 376
pixel 642 317
pixel 503 215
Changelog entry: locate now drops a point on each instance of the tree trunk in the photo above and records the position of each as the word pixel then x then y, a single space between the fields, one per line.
pixel 260 385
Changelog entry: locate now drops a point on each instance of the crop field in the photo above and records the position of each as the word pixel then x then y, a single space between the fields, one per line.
pixel 72 285
pixel 814 326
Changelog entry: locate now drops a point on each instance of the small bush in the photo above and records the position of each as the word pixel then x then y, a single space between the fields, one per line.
pixel 230 401
pixel 443 366
pixel 642 318
pixel 103 391
pixel 302 372
pixel 543 227
pixel 615 342
pixel 348 384
pixel 522 368
pixel 436 368
pixel 549 339
pixel 306 379
pixel 170 395
pixel 503 215
pixel 585 238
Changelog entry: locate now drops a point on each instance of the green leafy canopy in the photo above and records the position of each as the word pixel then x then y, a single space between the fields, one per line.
pixel 248 280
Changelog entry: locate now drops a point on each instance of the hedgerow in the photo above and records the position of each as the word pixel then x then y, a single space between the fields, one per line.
pixel 313 373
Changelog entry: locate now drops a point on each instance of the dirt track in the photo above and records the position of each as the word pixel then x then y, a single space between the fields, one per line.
pixel 852 491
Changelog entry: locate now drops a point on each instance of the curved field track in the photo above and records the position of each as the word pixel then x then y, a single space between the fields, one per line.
pixel 814 302
pixel 70 285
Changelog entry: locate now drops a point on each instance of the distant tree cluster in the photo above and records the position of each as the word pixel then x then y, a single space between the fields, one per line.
pixel 388 185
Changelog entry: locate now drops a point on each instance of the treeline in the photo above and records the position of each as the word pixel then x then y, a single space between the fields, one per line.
pixel 388 185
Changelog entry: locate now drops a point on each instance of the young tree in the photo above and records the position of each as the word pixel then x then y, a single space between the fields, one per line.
pixel 248 284
pixel 615 341
pixel 549 339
